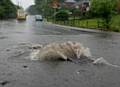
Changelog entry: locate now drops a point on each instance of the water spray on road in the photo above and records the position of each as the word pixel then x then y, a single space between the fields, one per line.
pixel 67 51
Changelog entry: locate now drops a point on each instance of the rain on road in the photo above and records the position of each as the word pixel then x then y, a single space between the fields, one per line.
pixel 19 71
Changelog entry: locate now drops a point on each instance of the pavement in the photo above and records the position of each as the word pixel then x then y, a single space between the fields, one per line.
pixel 17 70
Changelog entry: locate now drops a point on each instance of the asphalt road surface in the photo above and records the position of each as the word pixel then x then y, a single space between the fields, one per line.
pixel 17 70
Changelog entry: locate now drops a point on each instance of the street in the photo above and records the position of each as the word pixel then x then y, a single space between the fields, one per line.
pixel 20 71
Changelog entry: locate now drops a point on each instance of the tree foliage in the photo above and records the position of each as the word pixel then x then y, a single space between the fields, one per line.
pixel 32 10
pixel 62 15
pixel 103 9
pixel 7 9
pixel 118 6
pixel 44 7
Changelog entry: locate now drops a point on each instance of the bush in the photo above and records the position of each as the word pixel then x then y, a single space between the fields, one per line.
pixel 62 16
pixel 103 9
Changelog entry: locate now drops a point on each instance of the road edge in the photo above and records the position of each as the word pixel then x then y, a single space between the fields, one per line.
pixel 81 29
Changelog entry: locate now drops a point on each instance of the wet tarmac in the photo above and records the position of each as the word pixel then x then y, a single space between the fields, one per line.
pixel 17 70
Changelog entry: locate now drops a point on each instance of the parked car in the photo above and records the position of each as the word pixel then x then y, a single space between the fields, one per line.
pixel 38 18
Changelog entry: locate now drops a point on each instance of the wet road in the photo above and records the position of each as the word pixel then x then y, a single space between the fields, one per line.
pixel 19 71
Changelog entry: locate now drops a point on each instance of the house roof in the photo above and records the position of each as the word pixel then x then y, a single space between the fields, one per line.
pixel 82 1
pixel 73 1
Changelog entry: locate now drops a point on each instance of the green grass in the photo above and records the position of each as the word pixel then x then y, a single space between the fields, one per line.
pixel 93 23
pixel 88 23
pixel 115 26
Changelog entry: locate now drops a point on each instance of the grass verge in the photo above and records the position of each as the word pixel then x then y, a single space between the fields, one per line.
pixel 95 23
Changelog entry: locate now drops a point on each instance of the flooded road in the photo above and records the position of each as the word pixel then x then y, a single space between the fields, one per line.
pixel 18 71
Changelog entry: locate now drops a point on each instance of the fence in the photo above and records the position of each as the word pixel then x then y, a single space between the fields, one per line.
pixel 89 23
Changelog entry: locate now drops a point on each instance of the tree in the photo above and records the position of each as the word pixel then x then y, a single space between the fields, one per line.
pixel 43 6
pixel 32 10
pixel 7 9
pixel 62 15
pixel 118 6
pixel 2 11
pixel 103 9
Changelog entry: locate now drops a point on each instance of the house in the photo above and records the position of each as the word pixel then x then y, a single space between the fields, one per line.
pixel 55 4
pixel 83 5
pixel 69 3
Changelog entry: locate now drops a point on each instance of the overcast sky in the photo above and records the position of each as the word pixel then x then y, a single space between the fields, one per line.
pixel 24 3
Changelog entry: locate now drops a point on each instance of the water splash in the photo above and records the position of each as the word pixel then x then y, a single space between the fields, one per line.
pixel 102 61
pixel 63 51
pixel 73 51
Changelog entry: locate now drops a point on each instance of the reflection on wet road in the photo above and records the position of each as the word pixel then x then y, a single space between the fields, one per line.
pixel 21 72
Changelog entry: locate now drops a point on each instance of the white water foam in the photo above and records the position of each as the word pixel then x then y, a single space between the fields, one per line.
pixel 65 51
pixel 101 60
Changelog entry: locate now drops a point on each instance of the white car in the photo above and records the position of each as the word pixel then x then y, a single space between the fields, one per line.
pixel 38 18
